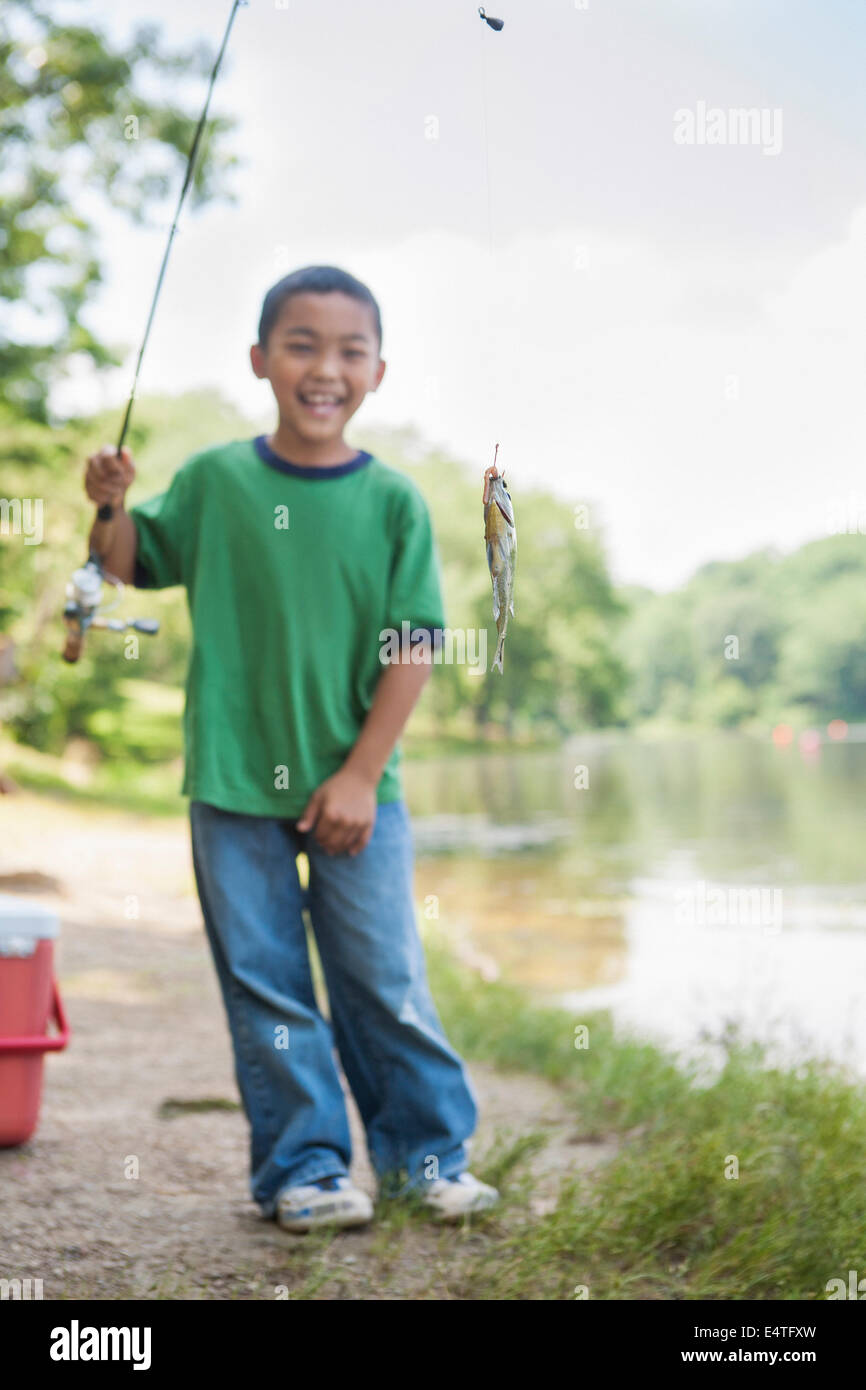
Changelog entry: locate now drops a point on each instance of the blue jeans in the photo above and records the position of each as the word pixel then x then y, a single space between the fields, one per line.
pixel 415 1098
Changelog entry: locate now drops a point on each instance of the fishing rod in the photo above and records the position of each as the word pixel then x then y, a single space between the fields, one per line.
pixel 84 590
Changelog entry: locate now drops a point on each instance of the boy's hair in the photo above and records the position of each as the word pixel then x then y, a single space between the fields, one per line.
pixel 314 279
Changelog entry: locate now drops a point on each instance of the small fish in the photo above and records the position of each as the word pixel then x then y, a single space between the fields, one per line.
pixel 501 538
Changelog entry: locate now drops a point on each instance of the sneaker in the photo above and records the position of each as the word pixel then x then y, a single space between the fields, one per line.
pixel 451 1198
pixel 328 1202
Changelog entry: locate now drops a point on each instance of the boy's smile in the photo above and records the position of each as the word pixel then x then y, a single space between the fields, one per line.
pixel 321 358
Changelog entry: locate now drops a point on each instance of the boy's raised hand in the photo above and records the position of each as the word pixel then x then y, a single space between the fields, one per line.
pixel 108 478
pixel 341 813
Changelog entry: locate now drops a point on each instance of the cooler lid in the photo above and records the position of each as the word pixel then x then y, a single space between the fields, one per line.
pixel 18 917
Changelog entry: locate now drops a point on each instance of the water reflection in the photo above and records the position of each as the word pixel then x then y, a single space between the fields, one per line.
pixel 587 895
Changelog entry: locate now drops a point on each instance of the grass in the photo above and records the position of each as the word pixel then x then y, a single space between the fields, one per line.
pixel 747 1186
pixel 172 1107
pixel 152 790
pixel 744 1185
pixel 620 1079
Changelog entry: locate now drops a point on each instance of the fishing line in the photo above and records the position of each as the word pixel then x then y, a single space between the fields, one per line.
pixel 106 512
pixel 497 25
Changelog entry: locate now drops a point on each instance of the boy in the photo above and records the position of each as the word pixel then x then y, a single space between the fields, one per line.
pixel 296 552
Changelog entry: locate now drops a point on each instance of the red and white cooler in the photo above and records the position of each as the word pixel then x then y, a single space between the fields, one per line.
pixel 29 999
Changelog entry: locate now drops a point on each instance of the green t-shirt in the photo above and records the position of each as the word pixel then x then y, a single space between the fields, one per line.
pixel 292 573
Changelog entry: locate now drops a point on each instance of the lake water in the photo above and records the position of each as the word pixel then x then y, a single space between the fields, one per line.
pixel 685 885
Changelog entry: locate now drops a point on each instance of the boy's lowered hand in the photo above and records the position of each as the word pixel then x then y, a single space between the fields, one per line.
pixel 342 812
pixel 343 808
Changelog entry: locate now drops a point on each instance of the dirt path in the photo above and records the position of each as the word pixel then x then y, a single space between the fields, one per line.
pixel 148 1028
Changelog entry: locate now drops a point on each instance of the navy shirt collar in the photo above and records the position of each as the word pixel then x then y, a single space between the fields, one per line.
pixel 331 470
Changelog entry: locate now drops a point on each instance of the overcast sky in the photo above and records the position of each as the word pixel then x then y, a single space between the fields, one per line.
pixel 673 332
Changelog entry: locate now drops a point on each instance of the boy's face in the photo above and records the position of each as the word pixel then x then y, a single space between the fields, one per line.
pixel 321 358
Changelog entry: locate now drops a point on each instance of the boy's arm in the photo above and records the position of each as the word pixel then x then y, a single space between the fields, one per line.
pixel 119 540
pixel 343 808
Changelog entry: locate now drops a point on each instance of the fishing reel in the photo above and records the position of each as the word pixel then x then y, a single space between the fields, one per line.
pixel 83 605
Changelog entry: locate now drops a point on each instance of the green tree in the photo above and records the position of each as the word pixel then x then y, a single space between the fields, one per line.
pixel 76 112
pixel 658 646
pixel 823 657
